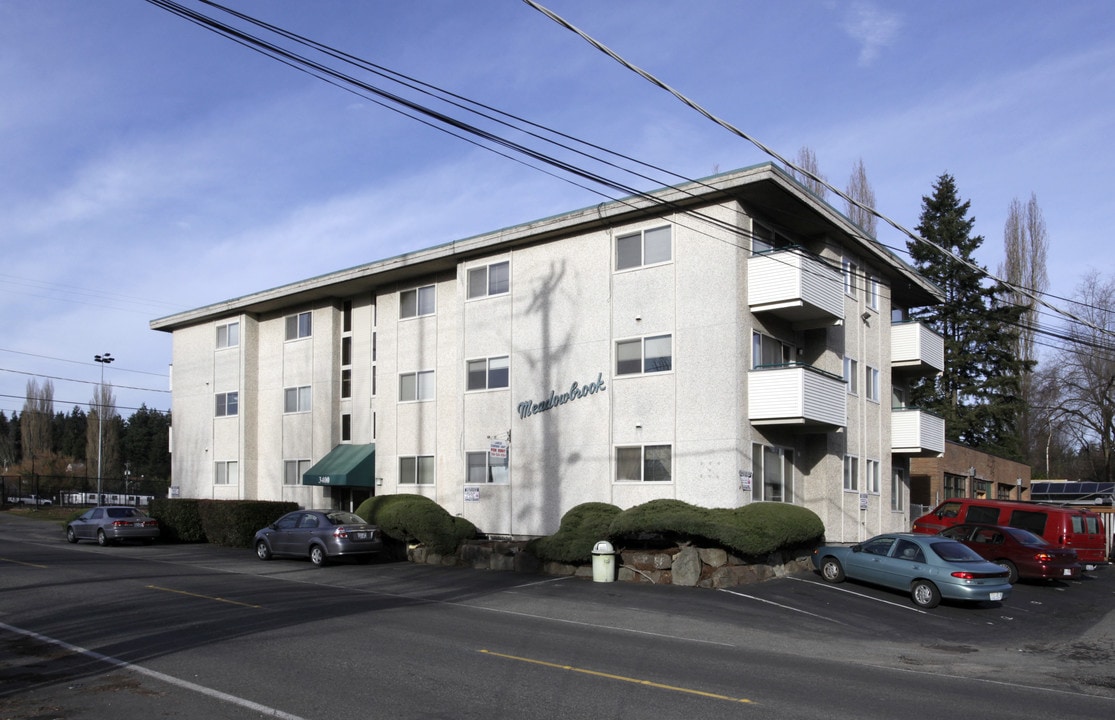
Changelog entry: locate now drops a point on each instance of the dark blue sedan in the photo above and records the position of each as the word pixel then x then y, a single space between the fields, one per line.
pixel 929 567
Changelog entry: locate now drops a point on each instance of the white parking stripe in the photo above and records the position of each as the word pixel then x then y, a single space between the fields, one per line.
pixel 784 607
pixel 868 597
pixel 210 692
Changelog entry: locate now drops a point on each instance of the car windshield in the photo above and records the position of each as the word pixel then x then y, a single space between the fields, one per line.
pixel 123 513
pixel 1026 537
pixel 952 551
pixel 345 518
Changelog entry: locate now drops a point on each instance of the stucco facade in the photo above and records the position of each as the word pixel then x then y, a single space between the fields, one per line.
pixel 721 343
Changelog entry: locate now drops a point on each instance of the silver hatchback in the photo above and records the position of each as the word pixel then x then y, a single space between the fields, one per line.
pixel 319 535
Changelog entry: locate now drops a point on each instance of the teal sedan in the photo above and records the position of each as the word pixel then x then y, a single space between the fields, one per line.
pixel 929 567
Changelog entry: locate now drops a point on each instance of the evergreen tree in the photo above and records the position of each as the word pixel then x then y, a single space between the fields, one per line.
pixel 144 444
pixel 978 392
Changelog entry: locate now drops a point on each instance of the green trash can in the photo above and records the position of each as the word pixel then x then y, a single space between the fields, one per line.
pixel 603 562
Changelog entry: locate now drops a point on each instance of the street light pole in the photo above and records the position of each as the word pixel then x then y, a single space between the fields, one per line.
pixel 103 360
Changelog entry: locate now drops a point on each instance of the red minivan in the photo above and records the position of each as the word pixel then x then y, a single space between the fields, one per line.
pixel 1073 528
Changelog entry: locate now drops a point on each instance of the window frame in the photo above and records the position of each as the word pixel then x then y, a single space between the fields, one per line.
pixel 871 383
pixel 502 288
pixel 298 326
pixel 491 469
pixel 422 294
pixel 424 381
pixel 223 406
pixel 226 472
pixel 851 473
pixel 763 344
pixel 850 270
pixel 303 399
pixel 642 246
pixel 851 375
pixel 897 489
pixel 643 462
pixel 299 466
pixel 419 461
pixel 488 373
pixel 644 360
pixel 872 468
pixel 759 455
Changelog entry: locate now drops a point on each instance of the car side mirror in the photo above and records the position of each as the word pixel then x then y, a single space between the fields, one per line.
pixel 857 548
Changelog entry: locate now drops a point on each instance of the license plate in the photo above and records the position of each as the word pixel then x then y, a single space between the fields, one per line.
pixel 1067 572
pixel 997 596
pixel 361 536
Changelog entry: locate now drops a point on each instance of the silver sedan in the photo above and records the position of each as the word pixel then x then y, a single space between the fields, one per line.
pixel 109 523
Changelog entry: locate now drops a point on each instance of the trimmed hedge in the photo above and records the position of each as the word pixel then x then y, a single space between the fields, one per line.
pixel 417 518
pixel 752 531
pixel 231 523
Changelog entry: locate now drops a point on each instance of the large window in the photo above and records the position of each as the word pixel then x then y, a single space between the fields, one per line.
pixel 851 473
pixel 293 470
pixel 226 472
pixel 346 427
pixel 644 463
pixel 296 399
pixel 416 386
pixel 955 486
pixel 416 302
pixel 872 291
pixel 772 473
pixel 299 326
pixel 485 468
pixel 416 470
pixel 768 351
pixel 228 335
pixel 228 404
pixel 850 271
pixel 644 355
pixel 898 489
pixel 872 470
pixel 489 373
pixel 646 247
pixel 851 375
pixel 494 279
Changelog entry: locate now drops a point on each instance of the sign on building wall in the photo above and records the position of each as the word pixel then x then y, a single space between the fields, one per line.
pixel 472 494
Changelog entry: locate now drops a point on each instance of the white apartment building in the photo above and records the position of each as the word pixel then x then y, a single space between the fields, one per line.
pixel 729 341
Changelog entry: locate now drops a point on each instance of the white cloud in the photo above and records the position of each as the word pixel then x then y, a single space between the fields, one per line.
pixel 872 27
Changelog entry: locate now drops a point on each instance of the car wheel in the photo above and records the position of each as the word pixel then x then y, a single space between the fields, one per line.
pixel 262 551
pixel 317 555
pixel 832 570
pixel 925 594
pixel 71 536
pixel 1010 568
pixel 102 539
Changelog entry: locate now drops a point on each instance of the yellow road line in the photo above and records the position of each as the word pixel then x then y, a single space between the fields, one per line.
pixel 204 597
pixel 610 676
pixel 19 562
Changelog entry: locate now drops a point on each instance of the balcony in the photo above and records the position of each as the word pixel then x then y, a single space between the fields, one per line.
pixel 915 350
pixel 798 395
pixel 795 286
pixel 916 432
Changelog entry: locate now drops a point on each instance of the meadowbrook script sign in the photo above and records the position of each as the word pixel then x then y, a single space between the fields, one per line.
pixel 575 392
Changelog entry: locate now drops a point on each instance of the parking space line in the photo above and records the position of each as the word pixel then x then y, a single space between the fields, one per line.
pixel 20 562
pixel 857 594
pixel 184 684
pixel 784 607
pixel 204 597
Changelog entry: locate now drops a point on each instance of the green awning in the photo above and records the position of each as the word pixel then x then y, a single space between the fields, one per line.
pixel 346 466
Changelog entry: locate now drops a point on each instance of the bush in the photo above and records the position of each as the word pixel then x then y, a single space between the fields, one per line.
pixel 231 523
pixel 752 531
pixel 179 520
pixel 417 518
pixel 581 528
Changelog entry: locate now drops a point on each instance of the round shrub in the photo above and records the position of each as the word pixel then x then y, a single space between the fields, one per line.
pixel 417 518
pixel 581 528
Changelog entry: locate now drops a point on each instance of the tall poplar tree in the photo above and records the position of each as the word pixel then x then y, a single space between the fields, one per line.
pixel 978 392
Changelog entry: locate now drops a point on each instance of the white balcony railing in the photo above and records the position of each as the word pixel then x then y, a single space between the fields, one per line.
pixel 796 395
pixel 795 286
pixel 916 432
pixel 916 349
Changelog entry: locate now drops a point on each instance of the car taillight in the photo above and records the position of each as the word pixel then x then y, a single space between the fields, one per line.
pixel 340 532
pixel 967 575
pixel 121 523
pixel 1043 557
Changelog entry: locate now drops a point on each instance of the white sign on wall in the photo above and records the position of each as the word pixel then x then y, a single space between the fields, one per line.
pixel 472 494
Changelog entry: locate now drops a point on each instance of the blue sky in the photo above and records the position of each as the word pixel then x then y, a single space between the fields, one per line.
pixel 151 166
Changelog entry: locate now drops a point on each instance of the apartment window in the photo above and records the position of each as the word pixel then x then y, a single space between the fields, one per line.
pixel 228 335
pixel 851 473
pixel 299 326
pixel 485 468
pixel 898 490
pixel 644 463
pixel 416 302
pixel 346 316
pixel 226 472
pixel 646 247
pixel 872 380
pixel 488 373
pixel 955 486
pixel 850 271
pixel 772 472
pixel 494 279
pixel 346 350
pixel 228 404
pixel 346 427
pixel 872 470
pixel 296 399
pixel 851 375
pixel 293 470
pixel 872 292
pixel 346 382
pixel 644 355
pixel 416 386
pixel 768 351
pixel 416 470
